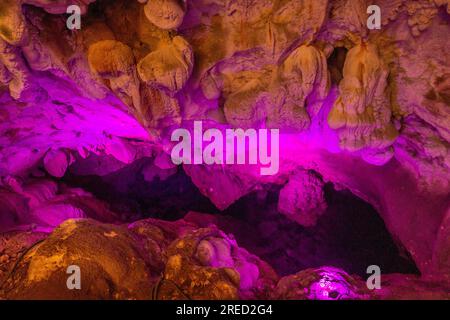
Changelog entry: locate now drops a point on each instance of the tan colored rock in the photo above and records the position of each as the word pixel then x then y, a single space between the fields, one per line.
pixel 304 74
pixel 361 114
pixel 169 66
pixel 302 199
pixel 247 107
pixel 110 58
pixel 110 264
pixel 390 10
pixel 301 17
pixel 56 163
pixel 324 283
pixel 257 90
pixel 165 14
pixel 158 110
pixel 207 264
pixel 192 280
pixel 155 236
pixel 12 22
pixel 272 25
pixel 114 62
pixel 347 21
pixel 12 244
pixel 19 76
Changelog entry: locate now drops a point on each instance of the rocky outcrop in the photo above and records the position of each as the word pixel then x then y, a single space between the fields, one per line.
pixel 366 109
pixel 111 266
pixel 325 283
pixel 302 199
pixel 148 260
pixel 361 113
pixel 276 75
pixel 46 204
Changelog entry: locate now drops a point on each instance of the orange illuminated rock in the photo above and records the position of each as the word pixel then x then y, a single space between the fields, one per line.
pixel 110 265
pixel 165 14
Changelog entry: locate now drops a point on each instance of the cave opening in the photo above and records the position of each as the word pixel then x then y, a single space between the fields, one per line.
pixel 335 64
pixel 350 235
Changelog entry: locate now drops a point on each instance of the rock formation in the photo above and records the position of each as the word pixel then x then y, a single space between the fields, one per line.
pixel 361 110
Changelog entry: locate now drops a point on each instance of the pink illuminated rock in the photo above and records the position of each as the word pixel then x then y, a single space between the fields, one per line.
pixel 223 188
pixel 302 199
pixel 325 283
pixel 169 67
pixel 367 110
pixel 56 163
pixel 103 249
pixel 410 287
pixel 55 214
pixel 360 114
pixel 201 262
pixel 12 22
pixel 59 6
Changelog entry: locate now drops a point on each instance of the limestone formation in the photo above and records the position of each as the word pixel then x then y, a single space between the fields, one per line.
pixel 106 256
pixel 12 22
pixel 302 199
pixel 325 283
pixel 114 62
pixel 165 14
pixel 86 118
pixel 169 67
pixel 360 113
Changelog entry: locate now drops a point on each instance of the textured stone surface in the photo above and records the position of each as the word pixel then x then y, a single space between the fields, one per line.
pixel 302 199
pixel 277 73
pixel 207 264
pixel 365 109
pixel 46 204
pixel 361 113
pixel 126 263
pixel 165 14
pixel 155 259
pixel 111 266
pixel 325 283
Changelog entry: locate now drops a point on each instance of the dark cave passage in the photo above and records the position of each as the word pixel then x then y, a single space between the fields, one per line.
pixel 350 235
pixel 127 191
pixel 336 64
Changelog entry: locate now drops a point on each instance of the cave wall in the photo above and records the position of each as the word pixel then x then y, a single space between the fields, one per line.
pixel 375 122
